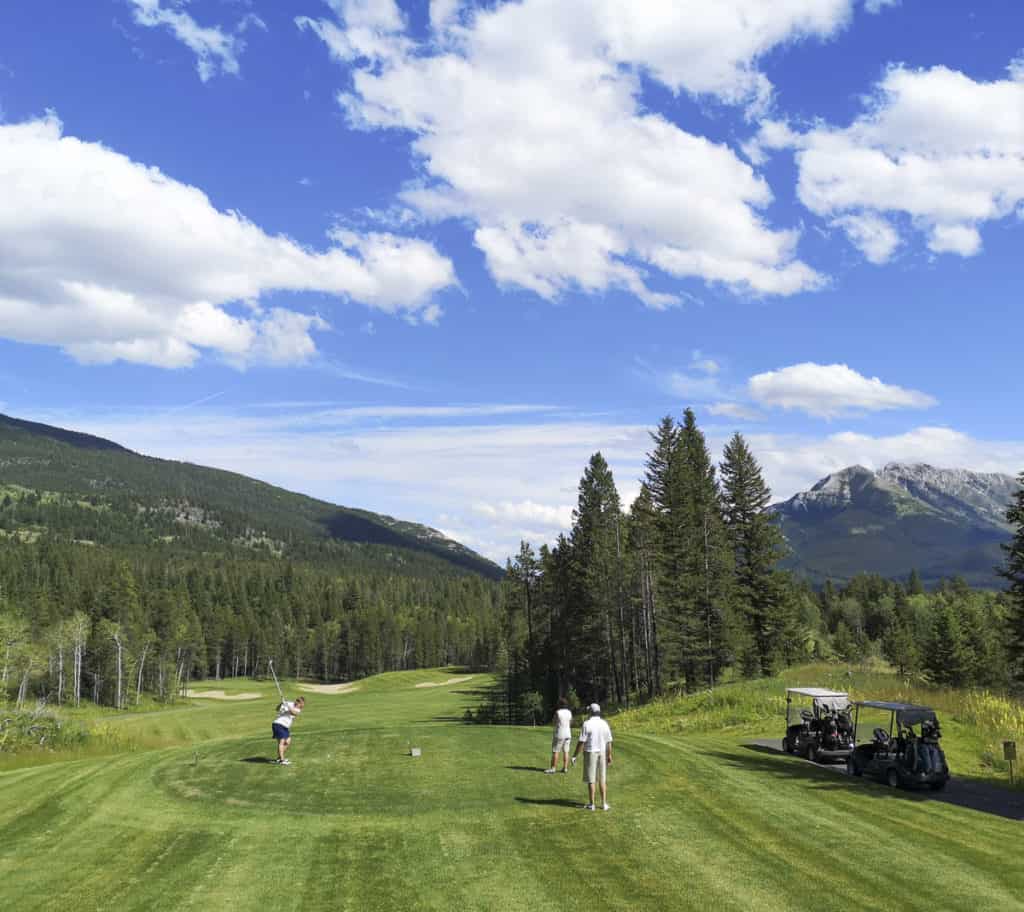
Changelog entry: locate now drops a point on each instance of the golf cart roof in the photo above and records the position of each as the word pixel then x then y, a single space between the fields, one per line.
pixel 815 692
pixel 906 713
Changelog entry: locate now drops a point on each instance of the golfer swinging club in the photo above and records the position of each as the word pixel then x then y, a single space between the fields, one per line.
pixel 282 727
pixel 596 742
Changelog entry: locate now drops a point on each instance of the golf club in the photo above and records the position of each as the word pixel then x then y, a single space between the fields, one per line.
pixel 270 664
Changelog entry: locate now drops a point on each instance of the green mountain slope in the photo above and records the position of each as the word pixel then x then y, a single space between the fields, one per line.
pixel 95 491
pixel 941 522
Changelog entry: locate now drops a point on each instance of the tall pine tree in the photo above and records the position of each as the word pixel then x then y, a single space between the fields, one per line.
pixel 665 545
pixel 948 659
pixel 705 582
pixel 598 584
pixel 757 546
pixel 642 547
pixel 1014 573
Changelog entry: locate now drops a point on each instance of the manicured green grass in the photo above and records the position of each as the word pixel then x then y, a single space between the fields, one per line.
pixel 699 820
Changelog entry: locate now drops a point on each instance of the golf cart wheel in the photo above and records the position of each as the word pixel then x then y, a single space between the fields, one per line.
pixel 786 749
pixel 851 767
pixel 812 753
pixel 892 777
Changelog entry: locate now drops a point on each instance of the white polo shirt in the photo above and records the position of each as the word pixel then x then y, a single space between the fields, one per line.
pixel 595 736
pixel 563 724
pixel 288 712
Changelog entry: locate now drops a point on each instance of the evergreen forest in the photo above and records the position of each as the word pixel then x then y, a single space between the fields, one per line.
pixel 684 590
pixel 118 590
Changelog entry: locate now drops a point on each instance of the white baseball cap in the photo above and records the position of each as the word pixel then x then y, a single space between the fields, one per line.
pixel 595 710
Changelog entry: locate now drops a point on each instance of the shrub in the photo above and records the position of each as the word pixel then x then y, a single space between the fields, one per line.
pixel 37 729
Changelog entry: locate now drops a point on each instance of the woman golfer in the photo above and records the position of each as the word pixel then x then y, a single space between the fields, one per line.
pixel 282 727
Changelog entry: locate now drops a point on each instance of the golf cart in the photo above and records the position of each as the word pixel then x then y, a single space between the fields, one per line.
pixel 901 755
pixel 822 733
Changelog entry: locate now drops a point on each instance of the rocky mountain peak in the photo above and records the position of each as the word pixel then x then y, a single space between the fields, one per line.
pixel 972 496
pixel 942 522
pixel 838 490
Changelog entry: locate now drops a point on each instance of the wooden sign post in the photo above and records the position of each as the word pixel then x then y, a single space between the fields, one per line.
pixel 1010 755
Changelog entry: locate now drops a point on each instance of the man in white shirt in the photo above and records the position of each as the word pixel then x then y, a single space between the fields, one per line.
pixel 596 743
pixel 561 738
pixel 282 726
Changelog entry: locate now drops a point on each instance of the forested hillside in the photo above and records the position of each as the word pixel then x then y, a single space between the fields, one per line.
pixel 94 490
pixel 123 576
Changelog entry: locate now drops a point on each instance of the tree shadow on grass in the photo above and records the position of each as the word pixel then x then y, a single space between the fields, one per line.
pixel 257 760
pixel 965 793
pixel 557 802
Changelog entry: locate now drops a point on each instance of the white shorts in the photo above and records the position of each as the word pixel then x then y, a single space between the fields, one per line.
pixel 595 767
pixel 560 744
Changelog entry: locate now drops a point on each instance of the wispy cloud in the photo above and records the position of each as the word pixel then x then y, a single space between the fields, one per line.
pixel 216 50
pixel 198 402
pixel 735 410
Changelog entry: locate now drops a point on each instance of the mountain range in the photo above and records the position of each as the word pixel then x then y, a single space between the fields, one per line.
pixel 95 491
pixel 941 522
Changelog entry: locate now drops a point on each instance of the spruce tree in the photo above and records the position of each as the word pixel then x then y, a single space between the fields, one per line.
pixel 757 546
pixel 948 658
pixel 665 544
pixel 523 575
pixel 706 563
pixel 914 585
pixel 899 646
pixel 1013 571
pixel 597 565
pixel 642 545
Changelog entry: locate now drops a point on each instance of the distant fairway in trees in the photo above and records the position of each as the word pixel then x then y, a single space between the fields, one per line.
pixel 194 818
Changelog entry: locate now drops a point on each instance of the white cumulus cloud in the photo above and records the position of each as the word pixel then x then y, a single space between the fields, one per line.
pixel 558 518
pixel 829 390
pixel 942 152
pixel 526 121
pixel 110 259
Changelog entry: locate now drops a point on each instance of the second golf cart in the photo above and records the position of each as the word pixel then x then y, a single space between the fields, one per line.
pixel 822 732
pixel 900 755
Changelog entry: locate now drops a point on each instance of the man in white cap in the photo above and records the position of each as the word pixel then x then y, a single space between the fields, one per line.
pixel 596 743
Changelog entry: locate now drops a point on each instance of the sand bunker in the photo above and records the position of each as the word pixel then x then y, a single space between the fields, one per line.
pixel 220 695
pixel 445 683
pixel 329 688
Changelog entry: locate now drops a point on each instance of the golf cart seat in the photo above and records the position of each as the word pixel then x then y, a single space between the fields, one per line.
pixel 881 736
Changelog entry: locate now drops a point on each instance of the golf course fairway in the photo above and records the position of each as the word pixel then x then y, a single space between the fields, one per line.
pixel 355 823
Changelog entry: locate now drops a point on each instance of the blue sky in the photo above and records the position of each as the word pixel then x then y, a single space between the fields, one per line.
pixel 424 258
